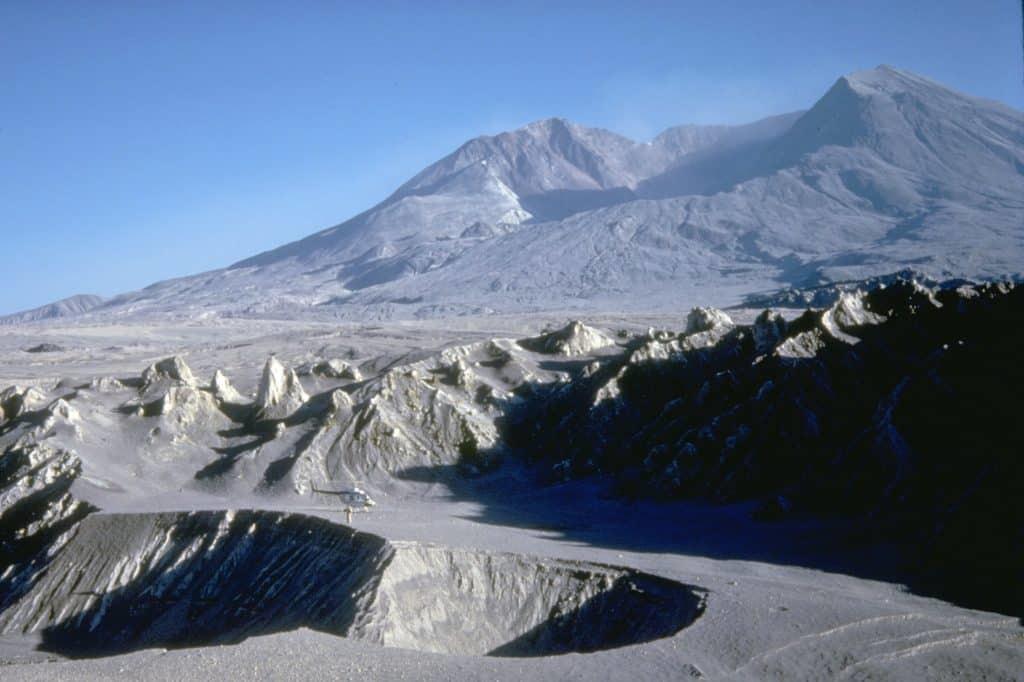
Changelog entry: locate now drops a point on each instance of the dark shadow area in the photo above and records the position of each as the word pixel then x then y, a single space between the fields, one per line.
pixel 47 513
pixel 594 511
pixel 311 413
pixel 635 609
pixel 277 470
pixel 570 366
pixel 260 431
pixel 895 458
pixel 237 412
pixel 229 456
pixel 28 418
pixel 265 573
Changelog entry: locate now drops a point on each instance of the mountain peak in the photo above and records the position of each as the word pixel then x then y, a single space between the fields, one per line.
pixel 886 169
pixel 550 123
pixel 891 111
pixel 885 78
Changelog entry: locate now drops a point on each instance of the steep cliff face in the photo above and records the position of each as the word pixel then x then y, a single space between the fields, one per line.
pixel 38 512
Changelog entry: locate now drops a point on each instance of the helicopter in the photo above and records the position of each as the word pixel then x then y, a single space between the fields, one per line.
pixel 352 497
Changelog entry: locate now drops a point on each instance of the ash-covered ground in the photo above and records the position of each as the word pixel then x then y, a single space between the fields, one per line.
pixel 738 495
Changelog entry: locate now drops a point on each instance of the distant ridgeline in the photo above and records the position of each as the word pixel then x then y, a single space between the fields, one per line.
pixel 68 307
pixel 823 294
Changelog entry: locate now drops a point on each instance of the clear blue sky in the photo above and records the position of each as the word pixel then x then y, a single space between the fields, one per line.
pixel 146 140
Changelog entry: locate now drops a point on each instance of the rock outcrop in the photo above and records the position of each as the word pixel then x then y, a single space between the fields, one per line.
pixel 332 369
pixel 280 392
pixel 223 390
pixel 573 339
pixel 706 319
pixel 173 369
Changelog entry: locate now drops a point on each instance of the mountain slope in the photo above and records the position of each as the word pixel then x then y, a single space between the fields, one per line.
pixel 548 169
pixel 887 170
pixel 67 307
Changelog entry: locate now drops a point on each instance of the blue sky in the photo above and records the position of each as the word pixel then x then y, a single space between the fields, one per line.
pixel 146 140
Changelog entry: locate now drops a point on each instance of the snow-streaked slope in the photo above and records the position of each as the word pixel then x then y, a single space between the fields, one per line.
pixel 887 170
